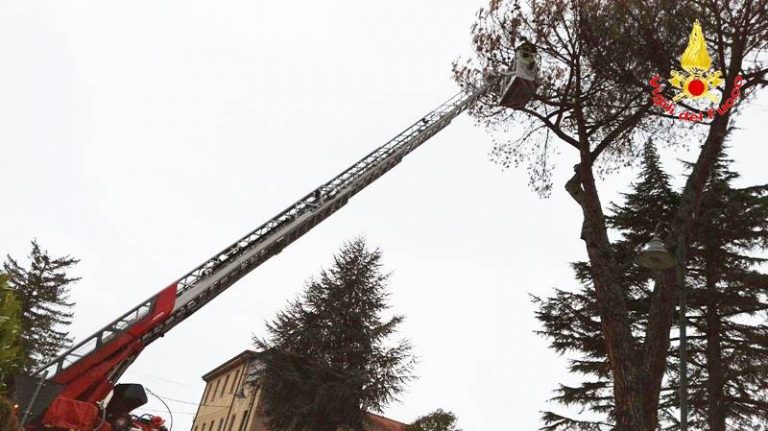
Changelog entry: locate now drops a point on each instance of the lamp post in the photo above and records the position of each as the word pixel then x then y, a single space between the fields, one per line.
pixel 656 257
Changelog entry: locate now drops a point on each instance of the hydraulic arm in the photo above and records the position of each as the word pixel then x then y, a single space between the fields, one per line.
pixel 87 373
pixel 70 391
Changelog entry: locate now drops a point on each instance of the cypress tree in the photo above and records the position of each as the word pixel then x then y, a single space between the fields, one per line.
pixel 328 356
pixel 43 292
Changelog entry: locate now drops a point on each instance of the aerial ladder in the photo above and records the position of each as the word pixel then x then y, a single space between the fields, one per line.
pixel 79 390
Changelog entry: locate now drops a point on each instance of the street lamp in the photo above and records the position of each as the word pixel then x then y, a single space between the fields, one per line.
pixel 655 256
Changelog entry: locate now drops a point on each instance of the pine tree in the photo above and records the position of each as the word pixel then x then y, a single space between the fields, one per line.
pixel 10 334
pixel 438 420
pixel 43 292
pixel 328 357
pixel 728 346
pixel 570 318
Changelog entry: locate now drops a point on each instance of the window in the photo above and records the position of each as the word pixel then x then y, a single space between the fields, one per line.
pixel 204 424
pixel 221 423
pixel 216 388
pixel 234 381
pixel 242 421
pixel 231 422
pixel 212 422
pixel 195 429
pixel 224 386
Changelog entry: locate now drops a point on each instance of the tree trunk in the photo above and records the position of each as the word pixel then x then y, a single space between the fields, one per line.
pixel 621 346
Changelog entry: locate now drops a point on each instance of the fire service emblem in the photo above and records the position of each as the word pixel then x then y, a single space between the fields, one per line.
pixel 695 82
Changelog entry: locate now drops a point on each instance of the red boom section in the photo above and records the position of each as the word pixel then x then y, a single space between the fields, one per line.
pixel 88 379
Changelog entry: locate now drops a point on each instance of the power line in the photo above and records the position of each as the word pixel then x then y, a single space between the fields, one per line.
pixel 213 413
pixel 165 411
pixel 165 379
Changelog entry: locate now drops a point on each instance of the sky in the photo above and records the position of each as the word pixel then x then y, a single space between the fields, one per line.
pixel 142 137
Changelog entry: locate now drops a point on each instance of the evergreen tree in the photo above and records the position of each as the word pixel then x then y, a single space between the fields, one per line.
pixel 727 306
pixel 328 357
pixel 728 347
pixel 438 420
pixel 10 334
pixel 43 292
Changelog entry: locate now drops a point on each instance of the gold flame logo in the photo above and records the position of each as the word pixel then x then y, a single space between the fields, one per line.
pixel 695 55
pixel 696 82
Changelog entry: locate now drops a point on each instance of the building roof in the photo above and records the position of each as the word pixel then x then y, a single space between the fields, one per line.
pixel 380 423
pixel 246 355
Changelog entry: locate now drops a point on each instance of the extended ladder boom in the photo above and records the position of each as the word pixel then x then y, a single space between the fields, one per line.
pixel 88 371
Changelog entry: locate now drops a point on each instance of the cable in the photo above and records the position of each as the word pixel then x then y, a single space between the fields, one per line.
pixel 191 403
pixel 170 428
pixel 103 418
pixel 213 413
pixel 151 376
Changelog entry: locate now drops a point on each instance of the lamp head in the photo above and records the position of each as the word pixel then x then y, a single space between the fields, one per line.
pixel 655 256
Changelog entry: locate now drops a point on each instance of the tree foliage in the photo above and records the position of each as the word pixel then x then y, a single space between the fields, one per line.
pixel 43 292
pixel 728 310
pixel 11 358
pixel 8 419
pixel 328 357
pixel 574 98
pixel 438 420
pixel 596 59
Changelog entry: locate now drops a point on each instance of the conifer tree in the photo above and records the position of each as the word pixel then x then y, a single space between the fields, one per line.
pixel 727 309
pixel 728 347
pixel 328 356
pixel 43 292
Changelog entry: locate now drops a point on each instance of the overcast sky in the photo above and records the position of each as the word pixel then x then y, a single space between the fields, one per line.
pixel 144 136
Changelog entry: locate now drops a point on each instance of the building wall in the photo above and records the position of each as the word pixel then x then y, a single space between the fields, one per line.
pixel 229 404
pixel 226 401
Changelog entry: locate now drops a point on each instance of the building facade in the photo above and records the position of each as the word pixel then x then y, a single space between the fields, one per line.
pixel 230 402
